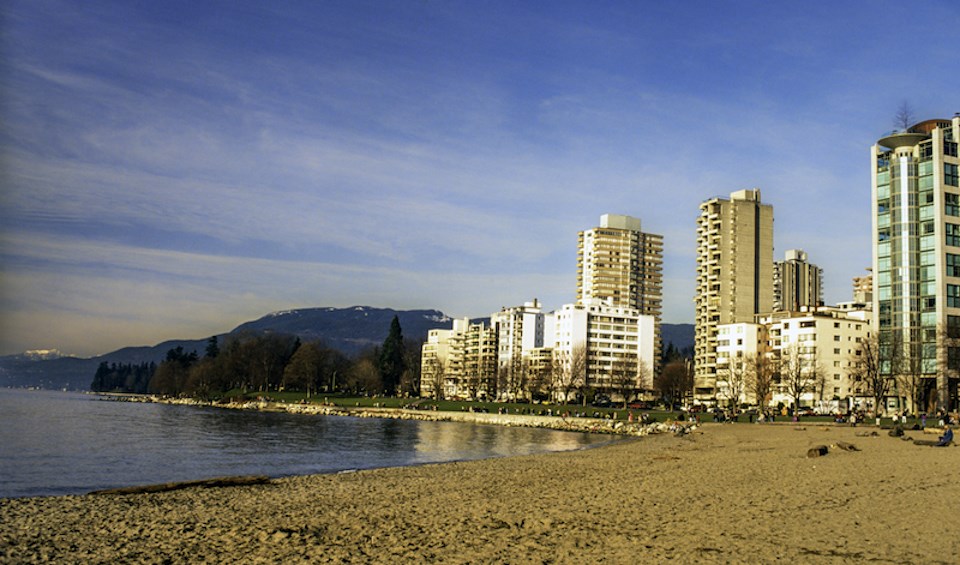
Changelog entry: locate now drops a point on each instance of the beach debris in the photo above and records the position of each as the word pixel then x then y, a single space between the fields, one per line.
pixel 204 483
pixel 867 434
pixel 799 429
pixel 845 446
pixel 818 451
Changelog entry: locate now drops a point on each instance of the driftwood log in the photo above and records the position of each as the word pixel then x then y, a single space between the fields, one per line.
pixel 845 446
pixel 205 483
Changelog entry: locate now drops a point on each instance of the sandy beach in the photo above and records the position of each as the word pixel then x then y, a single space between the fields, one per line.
pixel 725 494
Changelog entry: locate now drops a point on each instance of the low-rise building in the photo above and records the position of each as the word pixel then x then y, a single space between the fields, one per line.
pixel 813 355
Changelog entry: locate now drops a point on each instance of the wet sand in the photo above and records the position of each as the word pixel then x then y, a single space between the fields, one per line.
pixel 724 494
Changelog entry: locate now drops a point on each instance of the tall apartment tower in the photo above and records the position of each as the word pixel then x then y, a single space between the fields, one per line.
pixel 622 266
pixel 796 283
pixel 734 275
pixel 916 255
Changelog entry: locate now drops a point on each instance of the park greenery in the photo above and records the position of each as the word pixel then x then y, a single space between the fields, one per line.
pixel 277 366
pixel 270 363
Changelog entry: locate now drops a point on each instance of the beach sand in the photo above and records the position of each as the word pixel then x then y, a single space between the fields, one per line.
pixel 735 493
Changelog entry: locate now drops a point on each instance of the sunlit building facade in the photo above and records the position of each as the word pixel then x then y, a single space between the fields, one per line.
pixel 916 255
pixel 620 265
pixel 734 275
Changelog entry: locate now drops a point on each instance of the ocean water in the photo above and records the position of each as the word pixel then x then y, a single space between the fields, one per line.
pixel 55 443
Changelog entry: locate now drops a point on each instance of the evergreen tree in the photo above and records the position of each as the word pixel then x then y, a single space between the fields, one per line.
pixel 392 363
pixel 213 348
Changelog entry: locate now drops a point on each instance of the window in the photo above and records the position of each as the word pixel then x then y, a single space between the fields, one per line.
pixel 953 295
pixel 950 174
pixel 836 338
pixel 953 265
pixel 950 148
pixel 953 234
pixel 836 352
pixel 951 205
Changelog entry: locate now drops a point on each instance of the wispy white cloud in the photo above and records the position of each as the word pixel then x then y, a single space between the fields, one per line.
pixel 418 155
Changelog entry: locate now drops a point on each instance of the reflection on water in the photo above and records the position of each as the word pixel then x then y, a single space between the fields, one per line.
pixel 68 443
pixel 450 441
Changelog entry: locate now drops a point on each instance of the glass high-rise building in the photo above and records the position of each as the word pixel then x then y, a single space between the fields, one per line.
pixel 916 257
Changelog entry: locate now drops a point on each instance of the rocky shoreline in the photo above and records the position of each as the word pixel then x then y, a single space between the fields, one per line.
pixel 560 423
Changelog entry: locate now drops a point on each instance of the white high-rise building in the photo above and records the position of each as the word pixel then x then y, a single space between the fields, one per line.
pixel 520 332
pixel 596 342
pixel 621 265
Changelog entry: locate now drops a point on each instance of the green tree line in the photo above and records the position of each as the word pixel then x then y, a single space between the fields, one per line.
pixel 278 362
pixel 113 377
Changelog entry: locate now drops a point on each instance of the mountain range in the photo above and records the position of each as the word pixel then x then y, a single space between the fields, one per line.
pixel 349 330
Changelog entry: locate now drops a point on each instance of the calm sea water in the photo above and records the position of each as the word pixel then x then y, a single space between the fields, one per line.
pixel 54 443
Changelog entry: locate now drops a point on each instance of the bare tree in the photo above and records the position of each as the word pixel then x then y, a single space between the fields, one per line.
pixel 511 377
pixel 305 368
pixel 538 381
pixel 904 118
pixel 434 373
pixel 675 382
pixel 624 375
pixel 817 375
pixel 872 369
pixel 364 376
pixel 909 379
pixel 569 371
pixel 733 373
pixel 795 374
pixel 644 375
pixel 412 371
pixel 948 363
pixel 762 369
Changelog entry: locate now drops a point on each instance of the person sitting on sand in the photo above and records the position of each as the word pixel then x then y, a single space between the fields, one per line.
pixel 947 437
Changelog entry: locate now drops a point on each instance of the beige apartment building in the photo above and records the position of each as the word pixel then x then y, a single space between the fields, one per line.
pixel 734 275
pixel 916 257
pixel 460 362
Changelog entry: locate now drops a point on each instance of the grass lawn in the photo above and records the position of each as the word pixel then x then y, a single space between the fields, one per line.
pixel 516 408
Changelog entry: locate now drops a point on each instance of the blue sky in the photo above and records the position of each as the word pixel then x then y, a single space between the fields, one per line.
pixel 171 169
